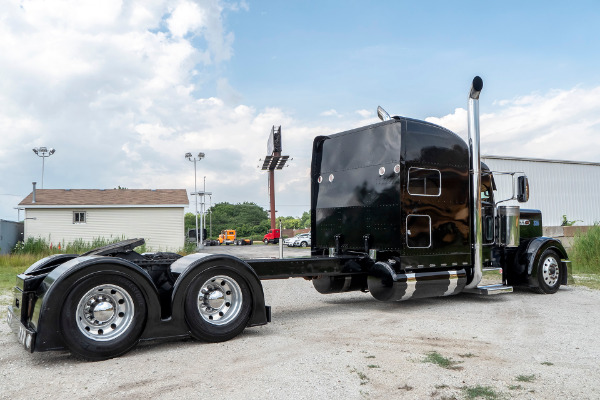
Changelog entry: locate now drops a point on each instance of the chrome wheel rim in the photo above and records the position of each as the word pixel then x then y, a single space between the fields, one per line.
pixel 105 312
pixel 220 300
pixel 550 271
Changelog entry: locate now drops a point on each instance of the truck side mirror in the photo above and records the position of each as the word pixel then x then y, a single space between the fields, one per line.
pixel 522 189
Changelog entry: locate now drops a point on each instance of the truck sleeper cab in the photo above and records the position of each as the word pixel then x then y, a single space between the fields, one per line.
pixel 398 209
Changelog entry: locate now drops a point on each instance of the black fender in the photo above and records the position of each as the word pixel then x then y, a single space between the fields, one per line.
pixel 56 286
pixel 531 251
pixel 188 267
pixel 48 263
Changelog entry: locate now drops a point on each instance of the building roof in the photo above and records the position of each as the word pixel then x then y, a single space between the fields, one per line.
pixel 106 198
pixel 541 160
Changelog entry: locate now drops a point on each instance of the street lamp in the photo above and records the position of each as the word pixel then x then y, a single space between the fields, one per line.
pixel 194 159
pixel 43 152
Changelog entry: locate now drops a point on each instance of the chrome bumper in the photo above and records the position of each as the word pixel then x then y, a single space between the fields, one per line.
pixel 25 336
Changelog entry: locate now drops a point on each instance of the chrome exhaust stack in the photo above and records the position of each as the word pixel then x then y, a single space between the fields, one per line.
pixel 474 147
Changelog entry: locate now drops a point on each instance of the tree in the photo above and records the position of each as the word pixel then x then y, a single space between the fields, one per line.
pixel 246 218
pixel 305 220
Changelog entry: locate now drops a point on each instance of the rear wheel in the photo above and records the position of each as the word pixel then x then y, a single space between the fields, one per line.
pixel 303 244
pixel 548 272
pixel 217 305
pixel 103 317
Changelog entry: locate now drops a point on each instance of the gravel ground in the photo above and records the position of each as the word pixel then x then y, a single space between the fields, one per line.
pixel 346 346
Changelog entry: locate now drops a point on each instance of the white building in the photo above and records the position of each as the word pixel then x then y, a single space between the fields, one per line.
pixel 65 215
pixel 556 187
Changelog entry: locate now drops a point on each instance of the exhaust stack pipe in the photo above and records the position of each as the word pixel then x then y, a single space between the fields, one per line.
pixel 33 193
pixel 474 141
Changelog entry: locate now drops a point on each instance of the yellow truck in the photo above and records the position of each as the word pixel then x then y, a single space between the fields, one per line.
pixel 229 236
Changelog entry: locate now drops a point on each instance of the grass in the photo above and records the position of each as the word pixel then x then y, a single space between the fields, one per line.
pixel 364 379
pixel 591 281
pixel 585 257
pixel 42 248
pixel 477 392
pixel 12 265
pixel 525 378
pixel 585 252
pixel 436 358
pixel 547 363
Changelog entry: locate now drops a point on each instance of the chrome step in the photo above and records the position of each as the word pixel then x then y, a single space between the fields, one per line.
pixel 489 290
pixel 491 283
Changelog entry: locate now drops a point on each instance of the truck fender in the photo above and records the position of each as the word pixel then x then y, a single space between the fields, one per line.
pixel 47 263
pixel 57 285
pixel 190 266
pixel 532 252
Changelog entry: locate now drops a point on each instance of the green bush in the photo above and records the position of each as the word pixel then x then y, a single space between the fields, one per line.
pixel 585 253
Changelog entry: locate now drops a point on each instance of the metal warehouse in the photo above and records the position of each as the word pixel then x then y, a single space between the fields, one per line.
pixel 557 187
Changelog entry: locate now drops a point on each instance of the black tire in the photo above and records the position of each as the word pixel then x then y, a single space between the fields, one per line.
pixel 303 244
pixel 122 317
pixel 549 273
pixel 251 242
pixel 225 315
pixel 266 241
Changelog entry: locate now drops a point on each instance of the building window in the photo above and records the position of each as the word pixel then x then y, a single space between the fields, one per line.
pixel 79 217
pixel 424 182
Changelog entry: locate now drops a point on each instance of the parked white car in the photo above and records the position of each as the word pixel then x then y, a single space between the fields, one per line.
pixel 301 240
pixel 289 241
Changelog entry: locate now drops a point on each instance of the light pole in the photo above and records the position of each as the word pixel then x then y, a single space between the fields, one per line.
pixel 43 152
pixel 194 159
pixel 204 205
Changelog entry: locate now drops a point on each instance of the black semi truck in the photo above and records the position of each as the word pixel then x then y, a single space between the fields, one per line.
pixel 401 209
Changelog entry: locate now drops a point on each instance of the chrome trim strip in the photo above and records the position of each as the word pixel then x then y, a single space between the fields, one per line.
pixel 453 276
pixel 411 286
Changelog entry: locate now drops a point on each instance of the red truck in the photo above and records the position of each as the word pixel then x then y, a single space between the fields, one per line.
pixel 272 236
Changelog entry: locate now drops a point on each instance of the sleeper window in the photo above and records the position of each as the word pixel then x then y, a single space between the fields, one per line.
pixel 424 182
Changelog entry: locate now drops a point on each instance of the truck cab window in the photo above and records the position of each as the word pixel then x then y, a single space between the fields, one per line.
pixel 424 182
pixel 487 192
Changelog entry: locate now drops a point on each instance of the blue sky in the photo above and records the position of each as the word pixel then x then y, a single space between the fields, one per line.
pixel 124 89
pixel 414 57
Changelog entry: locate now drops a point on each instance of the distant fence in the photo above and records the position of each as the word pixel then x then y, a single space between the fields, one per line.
pixel 293 232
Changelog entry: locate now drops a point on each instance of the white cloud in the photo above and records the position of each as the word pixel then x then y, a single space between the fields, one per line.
pixel 364 113
pixel 112 85
pixel 186 17
pixel 560 124
pixel 330 113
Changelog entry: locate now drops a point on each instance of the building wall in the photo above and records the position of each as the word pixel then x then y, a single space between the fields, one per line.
pixel 556 188
pixel 162 228
pixel 10 233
